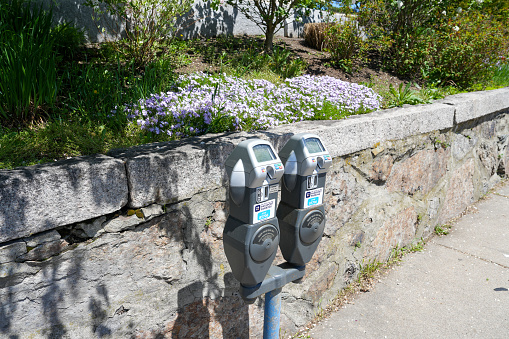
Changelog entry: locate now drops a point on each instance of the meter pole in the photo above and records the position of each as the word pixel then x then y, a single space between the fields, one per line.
pixel 272 314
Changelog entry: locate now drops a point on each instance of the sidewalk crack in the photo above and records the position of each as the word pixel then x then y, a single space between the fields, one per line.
pixel 474 256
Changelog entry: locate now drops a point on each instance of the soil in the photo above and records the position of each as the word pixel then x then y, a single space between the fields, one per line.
pixel 318 63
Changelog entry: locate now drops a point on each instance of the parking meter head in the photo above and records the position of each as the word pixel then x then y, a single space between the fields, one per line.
pixel 251 235
pixel 304 155
pixel 254 170
pixel 301 214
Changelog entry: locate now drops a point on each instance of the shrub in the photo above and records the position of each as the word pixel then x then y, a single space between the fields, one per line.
pixel 314 34
pixel 147 24
pixel 68 39
pixel 346 45
pixel 438 41
pixel 467 51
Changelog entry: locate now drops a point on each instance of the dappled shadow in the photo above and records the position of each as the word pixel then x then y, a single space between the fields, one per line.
pixel 203 21
pixel 98 28
pixel 43 197
pixel 42 293
pixel 49 285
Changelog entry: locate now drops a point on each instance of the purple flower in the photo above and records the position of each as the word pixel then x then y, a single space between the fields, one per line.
pixel 237 104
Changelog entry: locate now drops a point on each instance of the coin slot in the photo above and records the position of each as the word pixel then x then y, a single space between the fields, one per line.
pixel 312 181
pixel 270 172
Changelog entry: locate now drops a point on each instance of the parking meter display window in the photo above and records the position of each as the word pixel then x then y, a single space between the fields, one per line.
pixel 314 145
pixel 263 153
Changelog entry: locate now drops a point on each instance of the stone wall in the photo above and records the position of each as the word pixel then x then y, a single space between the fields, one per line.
pixel 129 244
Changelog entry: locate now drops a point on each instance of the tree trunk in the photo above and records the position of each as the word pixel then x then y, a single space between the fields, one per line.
pixel 269 38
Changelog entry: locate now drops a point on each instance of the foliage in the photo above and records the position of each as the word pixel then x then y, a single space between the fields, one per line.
pixel 68 40
pixel 468 52
pixel 403 96
pixel 442 229
pixel 57 138
pixel 346 45
pixel 146 23
pixel 501 74
pixel 439 41
pixel 269 15
pixel 95 89
pixel 27 61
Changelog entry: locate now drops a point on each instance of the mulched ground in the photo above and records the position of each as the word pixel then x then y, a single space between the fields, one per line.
pixel 317 62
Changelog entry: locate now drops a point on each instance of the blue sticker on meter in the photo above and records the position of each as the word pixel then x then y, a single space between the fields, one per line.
pixel 264 211
pixel 313 201
pixel 263 215
pixel 313 197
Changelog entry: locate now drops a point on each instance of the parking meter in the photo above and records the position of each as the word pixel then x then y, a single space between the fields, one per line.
pixel 251 234
pixel 301 214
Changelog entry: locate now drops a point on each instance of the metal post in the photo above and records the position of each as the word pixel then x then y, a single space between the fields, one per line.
pixel 272 314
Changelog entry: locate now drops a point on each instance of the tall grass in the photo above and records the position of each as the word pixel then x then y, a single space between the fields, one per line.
pixel 501 76
pixel 27 61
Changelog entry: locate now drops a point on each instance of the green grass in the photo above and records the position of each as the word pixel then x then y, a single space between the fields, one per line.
pixel 57 139
pixel 501 77
pixel 442 229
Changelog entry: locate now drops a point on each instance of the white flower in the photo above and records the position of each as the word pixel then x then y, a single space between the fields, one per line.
pixel 456 28
pixel 444 12
pixel 400 4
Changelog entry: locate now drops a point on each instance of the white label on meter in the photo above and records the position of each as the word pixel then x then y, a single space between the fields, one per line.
pixel 264 211
pixel 313 197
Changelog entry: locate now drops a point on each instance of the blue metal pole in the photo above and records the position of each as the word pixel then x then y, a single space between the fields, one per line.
pixel 272 314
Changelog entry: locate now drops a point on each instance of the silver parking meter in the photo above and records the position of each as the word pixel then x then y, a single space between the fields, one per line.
pixel 251 234
pixel 301 214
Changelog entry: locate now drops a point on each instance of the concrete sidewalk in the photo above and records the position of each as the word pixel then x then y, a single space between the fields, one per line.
pixel 458 287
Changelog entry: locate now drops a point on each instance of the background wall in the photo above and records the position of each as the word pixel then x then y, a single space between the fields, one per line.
pixel 202 21
pixel 129 244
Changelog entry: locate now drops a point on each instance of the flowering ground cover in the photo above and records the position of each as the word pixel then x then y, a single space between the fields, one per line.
pixel 203 103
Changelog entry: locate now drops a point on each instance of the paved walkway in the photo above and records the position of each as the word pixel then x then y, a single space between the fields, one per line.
pixel 458 287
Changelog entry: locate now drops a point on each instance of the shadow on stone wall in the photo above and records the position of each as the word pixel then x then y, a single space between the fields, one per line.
pixel 83 17
pixel 43 197
pixel 203 21
pixel 37 283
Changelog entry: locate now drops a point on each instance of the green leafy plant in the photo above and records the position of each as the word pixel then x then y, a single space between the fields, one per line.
pixel 442 42
pixel 368 270
pixel 442 229
pixel 282 63
pixel 147 23
pixel 440 144
pixel 467 51
pixel 27 61
pixel 403 95
pixel 68 40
